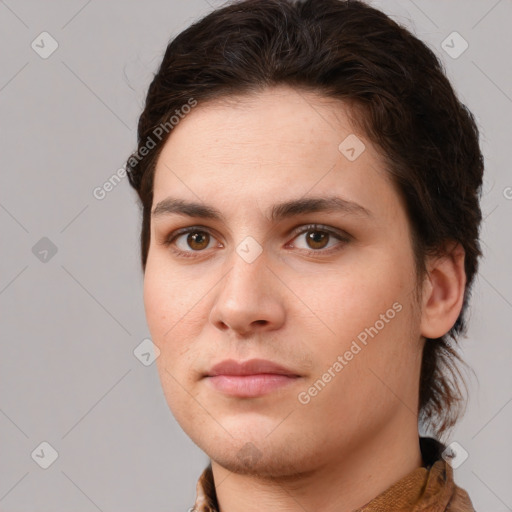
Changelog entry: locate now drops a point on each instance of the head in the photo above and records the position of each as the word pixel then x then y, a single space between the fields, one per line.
pixel 260 113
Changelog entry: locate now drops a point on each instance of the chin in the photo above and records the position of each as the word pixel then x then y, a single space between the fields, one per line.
pixel 253 451
pixel 270 463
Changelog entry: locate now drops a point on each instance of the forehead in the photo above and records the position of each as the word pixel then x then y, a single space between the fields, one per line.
pixel 278 119
pixel 278 142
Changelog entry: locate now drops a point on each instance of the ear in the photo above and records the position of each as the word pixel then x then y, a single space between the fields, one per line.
pixel 443 292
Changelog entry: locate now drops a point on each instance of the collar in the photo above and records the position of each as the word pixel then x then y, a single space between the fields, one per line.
pixel 430 488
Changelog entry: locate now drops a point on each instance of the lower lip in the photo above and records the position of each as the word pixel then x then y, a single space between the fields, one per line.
pixel 247 386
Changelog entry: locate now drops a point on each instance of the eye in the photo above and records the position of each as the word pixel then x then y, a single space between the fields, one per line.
pixel 318 237
pixel 196 239
pixel 189 242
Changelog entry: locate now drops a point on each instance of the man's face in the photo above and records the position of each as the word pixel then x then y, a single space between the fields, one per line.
pixel 332 303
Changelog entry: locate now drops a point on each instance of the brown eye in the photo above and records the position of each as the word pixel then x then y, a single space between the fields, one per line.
pixel 198 240
pixel 190 241
pixel 317 239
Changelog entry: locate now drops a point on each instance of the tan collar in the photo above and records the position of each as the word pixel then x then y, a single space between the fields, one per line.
pixel 425 489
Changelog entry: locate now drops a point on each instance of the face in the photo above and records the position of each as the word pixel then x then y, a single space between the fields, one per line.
pixel 263 270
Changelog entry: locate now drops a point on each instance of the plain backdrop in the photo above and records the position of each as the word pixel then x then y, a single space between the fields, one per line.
pixel 72 315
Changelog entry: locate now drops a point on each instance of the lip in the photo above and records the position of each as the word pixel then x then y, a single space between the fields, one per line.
pixel 249 379
pixel 250 367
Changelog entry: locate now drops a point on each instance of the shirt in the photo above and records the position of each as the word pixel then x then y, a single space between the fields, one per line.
pixel 430 488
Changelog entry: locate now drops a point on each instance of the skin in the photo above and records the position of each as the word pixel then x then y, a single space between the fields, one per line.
pixel 359 434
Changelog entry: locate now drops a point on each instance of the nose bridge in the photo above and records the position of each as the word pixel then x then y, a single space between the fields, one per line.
pixel 246 299
pixel 248 271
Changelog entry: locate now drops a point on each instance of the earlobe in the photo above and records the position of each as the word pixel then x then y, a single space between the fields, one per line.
pixel 444 292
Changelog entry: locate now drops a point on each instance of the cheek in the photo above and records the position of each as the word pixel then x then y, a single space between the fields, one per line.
pixel 165 296
pixel 164 308
pixel 374 378
pixel 353 300
pixel 156 304
pixel 166 319
pixel 371 317
pixel 174 317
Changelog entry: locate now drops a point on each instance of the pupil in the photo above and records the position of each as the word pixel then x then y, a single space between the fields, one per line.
pixel 196 237
pixel 317 238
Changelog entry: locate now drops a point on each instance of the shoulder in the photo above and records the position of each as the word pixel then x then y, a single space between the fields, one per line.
pixel 460 501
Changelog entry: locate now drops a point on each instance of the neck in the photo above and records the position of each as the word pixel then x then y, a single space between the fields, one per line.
pixel 343 484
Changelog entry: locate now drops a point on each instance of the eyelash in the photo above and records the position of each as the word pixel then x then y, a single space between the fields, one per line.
pixel 342 237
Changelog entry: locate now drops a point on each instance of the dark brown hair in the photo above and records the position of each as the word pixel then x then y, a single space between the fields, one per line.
pixel 355 53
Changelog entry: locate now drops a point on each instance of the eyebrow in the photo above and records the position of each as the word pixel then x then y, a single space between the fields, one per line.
pixel 280 211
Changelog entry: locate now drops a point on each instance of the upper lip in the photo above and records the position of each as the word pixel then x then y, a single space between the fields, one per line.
pixel 250 367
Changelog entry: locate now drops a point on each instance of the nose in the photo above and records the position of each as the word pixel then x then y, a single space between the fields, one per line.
pixel 248 298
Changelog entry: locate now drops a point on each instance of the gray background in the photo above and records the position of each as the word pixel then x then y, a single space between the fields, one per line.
pixel 70 321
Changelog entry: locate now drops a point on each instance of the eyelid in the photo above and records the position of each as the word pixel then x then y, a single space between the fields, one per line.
pixel 341 235
pixel 304 228
pixel 168 241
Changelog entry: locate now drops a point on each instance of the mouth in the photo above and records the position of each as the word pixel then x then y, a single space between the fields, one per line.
pixel 249 379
